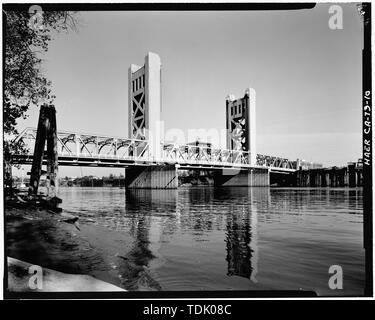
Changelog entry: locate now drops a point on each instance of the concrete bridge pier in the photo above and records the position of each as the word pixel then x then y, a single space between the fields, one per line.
pixel 151 177
pixel 352 175
pixel 327 180
pixel 242 178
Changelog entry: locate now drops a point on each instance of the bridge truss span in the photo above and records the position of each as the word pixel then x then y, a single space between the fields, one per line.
pixel 99 150
pixel 204 155
pixel 275 162
pixel 82 145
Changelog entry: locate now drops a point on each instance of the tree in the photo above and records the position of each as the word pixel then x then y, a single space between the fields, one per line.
pixel 27 36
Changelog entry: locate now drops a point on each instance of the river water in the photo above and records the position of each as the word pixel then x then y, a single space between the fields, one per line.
pixel 235 238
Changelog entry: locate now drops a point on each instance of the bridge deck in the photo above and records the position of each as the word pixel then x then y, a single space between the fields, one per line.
pixel 81 149
pixel 129 162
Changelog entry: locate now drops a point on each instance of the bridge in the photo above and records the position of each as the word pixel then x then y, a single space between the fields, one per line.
pixel 79 149
pixel 150 162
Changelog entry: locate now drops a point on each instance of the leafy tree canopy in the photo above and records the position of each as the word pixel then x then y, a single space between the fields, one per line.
pixel 27 36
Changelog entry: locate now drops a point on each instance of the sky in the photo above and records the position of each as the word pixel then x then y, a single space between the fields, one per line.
pixel 307 77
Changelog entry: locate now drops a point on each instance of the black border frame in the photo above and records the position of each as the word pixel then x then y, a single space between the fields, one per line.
pixel 366 135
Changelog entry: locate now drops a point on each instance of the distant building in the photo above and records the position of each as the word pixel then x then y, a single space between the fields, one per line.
pixel 201 147
pixel 199 143
pixel 305 165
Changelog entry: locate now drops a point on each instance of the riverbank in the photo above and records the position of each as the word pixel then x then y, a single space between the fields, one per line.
pixel 40 237
pixel 20 280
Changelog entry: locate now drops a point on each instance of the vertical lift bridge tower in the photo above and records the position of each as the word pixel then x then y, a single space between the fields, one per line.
pixel 144 121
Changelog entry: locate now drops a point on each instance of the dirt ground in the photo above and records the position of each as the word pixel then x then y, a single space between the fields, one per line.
pixel 42 238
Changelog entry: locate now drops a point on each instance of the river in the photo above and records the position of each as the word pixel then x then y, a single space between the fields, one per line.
pixel 234 238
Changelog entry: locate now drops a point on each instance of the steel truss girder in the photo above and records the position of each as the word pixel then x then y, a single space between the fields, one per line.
pixel 77 145
pixel 93 146
pixel 275 162
pixel 204 154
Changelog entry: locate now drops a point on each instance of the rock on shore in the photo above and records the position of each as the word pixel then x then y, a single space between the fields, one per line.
pixel 53 281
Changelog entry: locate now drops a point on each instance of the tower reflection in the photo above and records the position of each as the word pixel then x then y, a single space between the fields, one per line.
pixel 241 236
pixel 239 252
pixel 147 212
pixel 150 213
pixel 140 220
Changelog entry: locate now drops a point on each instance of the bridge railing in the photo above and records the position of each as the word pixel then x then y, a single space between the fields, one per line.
pixel 204 155
pixel 99 147
pixel 76 145
pixel 275 162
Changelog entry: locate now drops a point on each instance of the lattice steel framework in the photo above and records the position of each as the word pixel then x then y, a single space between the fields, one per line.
pixel 241 124
pixel 275 162
pixel 137 106
pixel 145 102
pixel 96 149
pixel 204 155
pixel 79 145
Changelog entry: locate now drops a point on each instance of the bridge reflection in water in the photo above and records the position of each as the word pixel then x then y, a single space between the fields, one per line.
pixel 82 149
pixel 232 238
pixel 241 240
pixel 239 223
